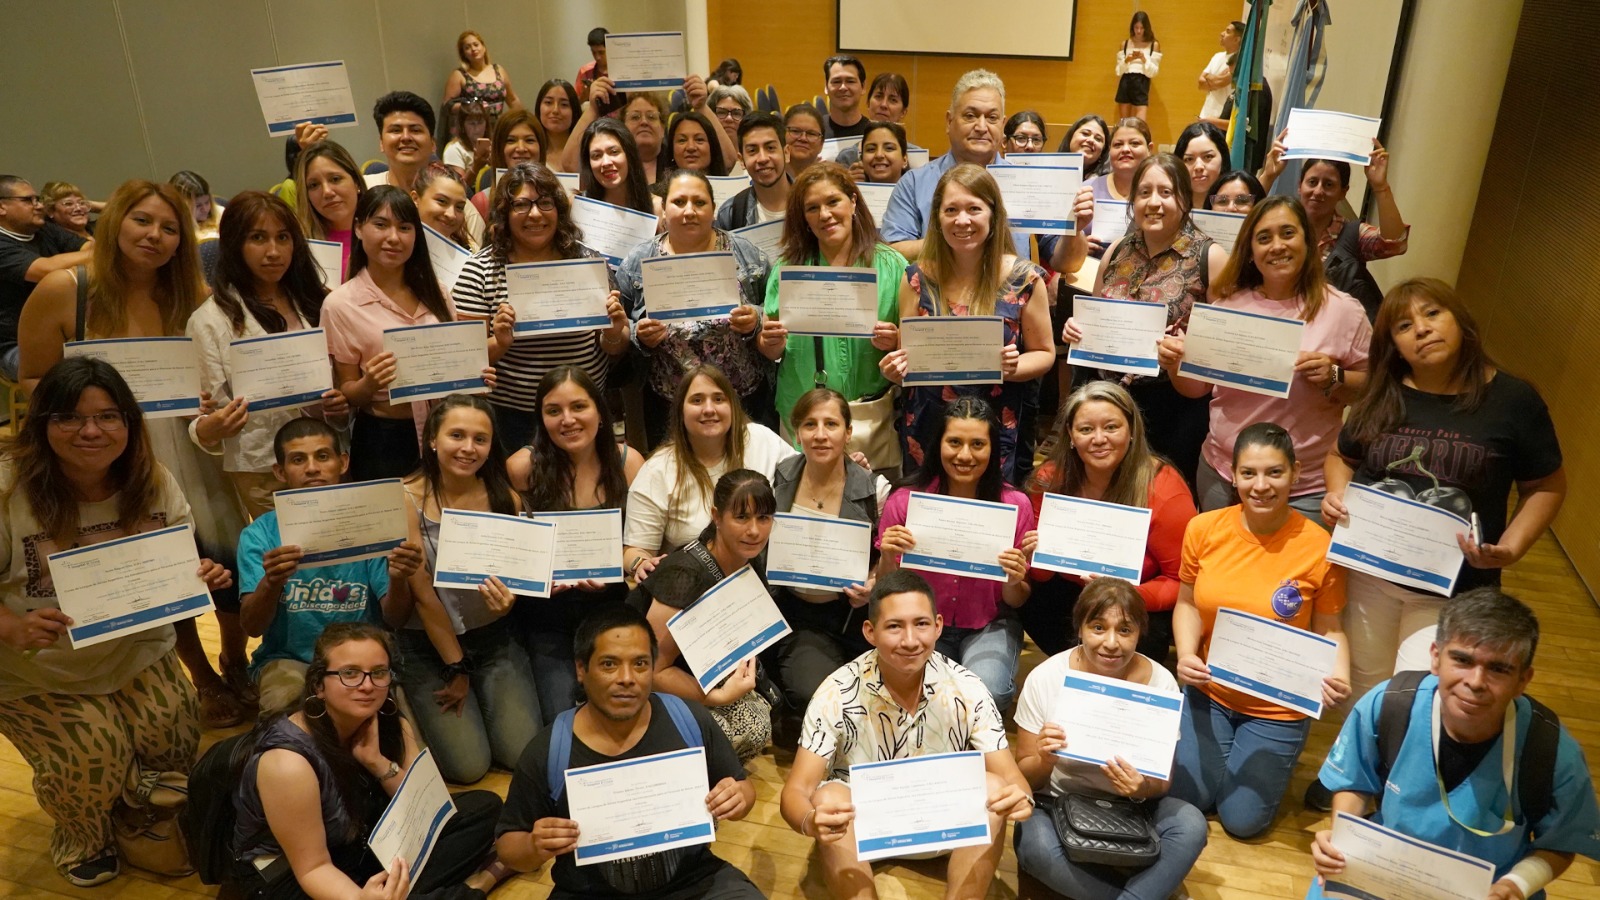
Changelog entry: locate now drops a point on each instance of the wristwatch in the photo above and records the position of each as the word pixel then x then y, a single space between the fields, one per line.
pixel 394 769
pixel 1335 379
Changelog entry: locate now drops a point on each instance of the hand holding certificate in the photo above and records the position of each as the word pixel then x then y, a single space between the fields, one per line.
pixel 646 61
pixel 951 808
pixel 1039 199
pixel 1091 538
pixel 1119 335
pixel 1105 718
pixel 1398 539
pixel 640 806
pixel 958 537
pixel 827 300
pixel 410 825
pixel 690 287
pixel 1382 862
pixel 314 92
pixel 953 350
pixel 128 585
pixel 437 360
pixel 1278 663
pixel 729 624
pixel 278 370
pixel 162 372
pixel 1321 134
pixel 475 546
pixel 1242 350
pixel 342 522
pixel 815 552
pixel 558 297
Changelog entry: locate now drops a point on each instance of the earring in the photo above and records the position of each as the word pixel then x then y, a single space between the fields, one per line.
pixel 306 707
pixel 389 707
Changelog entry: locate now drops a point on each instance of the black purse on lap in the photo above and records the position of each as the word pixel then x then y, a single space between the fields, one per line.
pixel 1106 831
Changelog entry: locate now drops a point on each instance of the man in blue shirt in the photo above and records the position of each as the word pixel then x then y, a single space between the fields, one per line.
pixel 1448 784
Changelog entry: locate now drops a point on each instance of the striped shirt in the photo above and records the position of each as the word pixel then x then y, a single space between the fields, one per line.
pixel 479 292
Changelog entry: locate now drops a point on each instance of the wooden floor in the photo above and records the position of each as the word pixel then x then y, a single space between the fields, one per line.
pixel 780 862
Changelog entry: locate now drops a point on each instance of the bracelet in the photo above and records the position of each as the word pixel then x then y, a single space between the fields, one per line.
pixel 453 670
pixel 808 817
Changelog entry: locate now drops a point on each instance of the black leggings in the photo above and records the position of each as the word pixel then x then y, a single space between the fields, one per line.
pixel 1175 425
pixel 383 448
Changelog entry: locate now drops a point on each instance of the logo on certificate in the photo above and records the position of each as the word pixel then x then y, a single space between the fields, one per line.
pixel 1287 600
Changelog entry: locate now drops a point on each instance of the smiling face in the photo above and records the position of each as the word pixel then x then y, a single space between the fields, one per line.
pixel 94 447
pixel 1027 138
pixel 1233 196
pixel 830 215
pixel 964 452
pixel 1109 642
pixel 618 676
pixel 1090 140
pixel 886 105
pixel 1476 684
pixel 973 125
pixel 555 111
pixel 521 145
pixel 462 443
pixel 644 121
pixel 1321 190
pixel 964 219
pixel 742 531
pixel 1278 247
pixel 387 239
pixel 571 417
pixel 443 205
pixel 365 699
pixel 1263 476
pixel 20 211
pixel 70 212
pixel 150 233
pixel 882 157
pixel 689 212
pixel 1128 149
pixel 904 632
pixel 1155 204
pixel 804 135
pixel 823 434
pixel 268 247
pixel 311 461
pixel 331 192
pixel 1100 435
pixel 707 411
pixel 691 146
pixel 844 88
pixel 405 140
pixel 764 156
pixel 729 114
pixel 1428 337
pixel 1203 159
pixel 532 227
pixel 608 163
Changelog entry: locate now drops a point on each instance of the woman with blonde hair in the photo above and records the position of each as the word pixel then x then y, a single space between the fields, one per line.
pixel 327 187
pixel 477 78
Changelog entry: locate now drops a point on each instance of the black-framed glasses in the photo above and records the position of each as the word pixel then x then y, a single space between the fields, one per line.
pixel 805 134
pixel 352 676
pixel 30 199
pixel 1027 140
pixel 72 423
pixel 735 114
pixel 523 206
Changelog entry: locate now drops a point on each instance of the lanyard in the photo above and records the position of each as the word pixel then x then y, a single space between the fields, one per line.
pixel 1508 751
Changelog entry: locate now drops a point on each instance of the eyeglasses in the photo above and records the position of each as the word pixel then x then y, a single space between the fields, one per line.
pixel 352 676
pixel 805 135
pixel 71 205
pixel 524 206
pixel 636 118
pixel 72 423
pixel 30 199
pixel 734 114
pixel 1027 140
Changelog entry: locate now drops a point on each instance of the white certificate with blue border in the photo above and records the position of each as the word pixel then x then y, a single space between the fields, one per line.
pixel 1383 864
pixel 832 147
pixel 959 537
pixel 830 301
pixel 953 350
pixel 162 372
pixel 1242 350
pixel 277 370
pixel 729 624
pixel 476 545
pixel 1039 199
pixel 447 258
pixel 920 804
pixel 639 806
pixel 876 195
pixel 1105 718
pixel 415 817
pixel 1324 134
pixel 329 257
pixel 807 551
pixel 691 287
pixel 570 182
pixel 1221 227
pixel 766 237
pixel 588 545
pixel 1046 159
pixel 558 297
pixel 1118 335
pixel 318 93
pixel 1275 662
pixel 646 60
pixel 342 522
pixel 437 360
pixel 1091 537
pixel 128 585
pixel 917 157
pixel 1110 220
pixel 726 187
pixel 1404 541
pixel 610 230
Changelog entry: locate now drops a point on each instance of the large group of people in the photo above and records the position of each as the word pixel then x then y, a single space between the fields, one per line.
pixel 699 433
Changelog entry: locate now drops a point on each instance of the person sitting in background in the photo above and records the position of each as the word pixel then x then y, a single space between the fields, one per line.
pixel 1235 191
pixel 730 103
pixel 1024 132
pixel 843 78
pixel 557 107
pixel 887 101
pixel 728 73
pixel 518 138
pixel 900 700
pixel 467 150
pixel 479 79
pixel 765 160
pixel 405 136
pixel 328 188
pixel 441 201
pixel 207 211
pixel 803 134
pixel 289 607
pixel 65 205
pixel 30 249
pixel 596 67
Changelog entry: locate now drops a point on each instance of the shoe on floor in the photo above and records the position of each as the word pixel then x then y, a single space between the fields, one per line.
pixel 237 678
pixel 219 708
pixel 1318 797
pixel 92 872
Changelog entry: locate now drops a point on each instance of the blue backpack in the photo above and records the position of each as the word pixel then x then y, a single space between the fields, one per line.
pixel 561 740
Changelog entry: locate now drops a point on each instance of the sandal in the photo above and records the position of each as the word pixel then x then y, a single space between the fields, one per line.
pixel 93 872
pixel 219 708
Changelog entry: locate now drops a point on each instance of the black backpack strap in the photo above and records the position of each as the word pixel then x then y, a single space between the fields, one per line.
pixel 1394 717
pixel 1536 765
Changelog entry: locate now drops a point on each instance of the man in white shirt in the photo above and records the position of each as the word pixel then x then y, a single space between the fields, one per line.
pixel 761 148
pixel 405 137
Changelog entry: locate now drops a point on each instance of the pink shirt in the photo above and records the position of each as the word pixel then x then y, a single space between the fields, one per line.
pixel 355 315
pixel 1340 330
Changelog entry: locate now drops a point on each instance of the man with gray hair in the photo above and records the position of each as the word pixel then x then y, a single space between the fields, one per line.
pixel 30 249
pixel 1461 759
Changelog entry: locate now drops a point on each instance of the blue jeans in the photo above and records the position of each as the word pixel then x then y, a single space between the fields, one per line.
pixel 555 673
pixel 1182 830
pixel 500 714
pixel 1235 764
pixel 990 652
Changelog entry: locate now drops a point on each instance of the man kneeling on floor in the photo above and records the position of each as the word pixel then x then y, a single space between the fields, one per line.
pixel 897 701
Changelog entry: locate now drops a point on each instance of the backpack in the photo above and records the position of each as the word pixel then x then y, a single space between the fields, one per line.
pixel 561 741
pixel 1536 764
pixel 208 818
pixel 1348 272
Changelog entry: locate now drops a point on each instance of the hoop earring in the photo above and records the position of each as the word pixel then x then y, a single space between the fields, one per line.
pixel 389 707
pixel 306 708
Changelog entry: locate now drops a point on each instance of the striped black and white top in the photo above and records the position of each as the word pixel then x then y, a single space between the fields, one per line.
pixel 480 290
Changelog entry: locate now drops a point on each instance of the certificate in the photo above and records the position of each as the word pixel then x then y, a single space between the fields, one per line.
pixel 588 545
pixel 1091 537
pixel 831 301
pixel 411 823
pixel 1221 227
pixel 329 257
pixel 1405 541
pixel 646 60
pixel 278 370
pixel 342 522
pixel 129 585
pixel 959 537
pixel 558 297
pixel 876 196
pixel 917 157
pixel 953 349
pixel 1110 220
pixel 729 624
pixel 609 230
pixel 1243 350
pixel 1107 717
pixel 437 360
pixel 1278 663
pixel 726 187
pixel 814 552
pixel 832 147
pixel 951 807
pixel 569 182
pixel 1046 159
pixel 1321 134
pixel 447 257
pixel 1118 335
pixel 162 372
pixel 690 287
pixel 475 545
pixel 1382 863
pixel 766 236
pixel 640 806
pixel 318 93
pixel 1039 199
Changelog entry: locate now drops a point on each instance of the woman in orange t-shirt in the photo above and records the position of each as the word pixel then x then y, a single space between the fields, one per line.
pixel 1236 751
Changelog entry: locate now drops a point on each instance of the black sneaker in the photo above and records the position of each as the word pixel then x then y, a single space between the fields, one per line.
pixel 1318 797
pixel 93 872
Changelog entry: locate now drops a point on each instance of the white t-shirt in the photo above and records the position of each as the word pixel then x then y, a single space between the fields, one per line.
pixel 657 524
pixel 1217 98
pixel 456 154
pixel 1036 706
pixel 764 215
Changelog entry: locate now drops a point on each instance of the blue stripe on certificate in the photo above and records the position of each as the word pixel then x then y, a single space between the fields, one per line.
pixel 347 552
pixel 1041 223
pixel 277 129
pixel 301 399
pixel 642 844
pixel 1338 552
pixel 649 84
pixel 141 536
pixel 473 579
pixel 449 387
pixel 951 566
pixel 1086 565
pixel 822 581
pixel 1128 691
pixel 921 838
pixel 1141 363
pixel 1423 847
pixel 525 327
pixel 153 406
pixel 809 273
pixel 743 651
pixel 1188 368
pixel 1277 695
pixel 912 380
pixel 133 621
pixel 698 312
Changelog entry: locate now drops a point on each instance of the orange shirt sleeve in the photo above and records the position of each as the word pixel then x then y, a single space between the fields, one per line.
pixel 1171 510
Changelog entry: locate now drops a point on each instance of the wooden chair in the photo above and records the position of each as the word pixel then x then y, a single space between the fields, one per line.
pixel 16 405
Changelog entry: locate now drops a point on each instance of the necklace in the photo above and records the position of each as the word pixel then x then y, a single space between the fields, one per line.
pixel 826 488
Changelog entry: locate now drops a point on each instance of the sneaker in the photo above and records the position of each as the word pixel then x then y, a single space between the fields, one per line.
pixel 92 872
pixel 219 708
pixel 1318 797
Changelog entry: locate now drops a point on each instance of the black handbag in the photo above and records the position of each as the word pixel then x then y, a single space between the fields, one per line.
pixel 1107 831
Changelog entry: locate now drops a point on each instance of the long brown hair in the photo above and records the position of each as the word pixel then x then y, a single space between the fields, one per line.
pixel 1130 483
pixel 234 285
pixel 938 261
pixel 1381 405
pixel 800 245
pixel 1241 272
pixel 317 227
pixel 687 466
pixel 179 284
pixel 508 120
pixel 37 472
pixel 550 475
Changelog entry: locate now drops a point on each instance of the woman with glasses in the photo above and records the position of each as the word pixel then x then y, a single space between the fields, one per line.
pixel 95 720
pixel 730 103
pixel 317 779
pixel 1024 132
pixel 803 134
pixel 65 205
